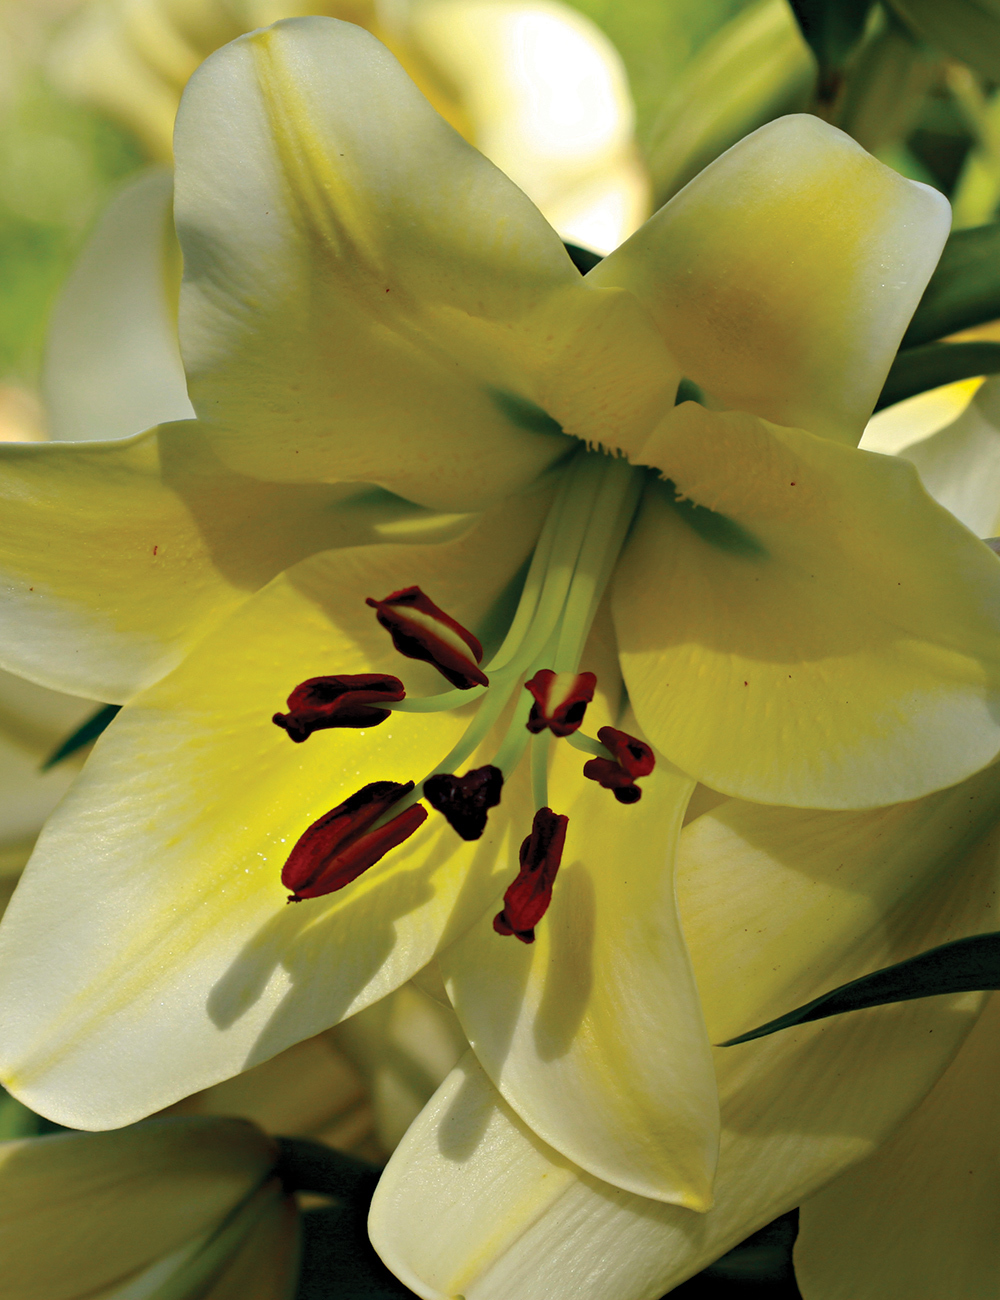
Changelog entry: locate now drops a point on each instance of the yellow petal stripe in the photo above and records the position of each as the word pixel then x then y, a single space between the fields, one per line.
pixel 355 274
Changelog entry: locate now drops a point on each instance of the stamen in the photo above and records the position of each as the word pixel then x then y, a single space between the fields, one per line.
pixel 421 630
pixel 465 800
pixel 347 701
pixel 341 844
pixel 632 758
pixel 561 700
pixel 527 899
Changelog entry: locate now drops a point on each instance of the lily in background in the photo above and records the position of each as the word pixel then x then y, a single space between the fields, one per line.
pixel 409 399
pixel 186 1208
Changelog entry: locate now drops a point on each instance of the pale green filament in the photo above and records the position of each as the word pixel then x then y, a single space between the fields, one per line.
pixel 572 563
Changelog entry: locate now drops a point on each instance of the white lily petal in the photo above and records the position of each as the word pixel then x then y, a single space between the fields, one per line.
pixel 359 283
pixel 113 362
pixel 960 464
pixel 915 418
pixel 150 936
pixel 593 1033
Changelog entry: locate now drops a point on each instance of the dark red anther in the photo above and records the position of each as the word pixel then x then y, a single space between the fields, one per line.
pixel 561 700
pixel 347 701
pixel 465 800
pixel 632 758
pixel 340 845
pixel 420 630
pixel 527 899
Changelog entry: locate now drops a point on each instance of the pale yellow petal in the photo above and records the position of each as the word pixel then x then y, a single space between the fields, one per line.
pixel 906 422
pixel 403 1046
pixel 959 465
pixel 778 905
pixel 784 275
pixel 302 1092
pixel 805 626
pixel 356 275
pixel 593 1033
pixel 118 557
pixel 33 723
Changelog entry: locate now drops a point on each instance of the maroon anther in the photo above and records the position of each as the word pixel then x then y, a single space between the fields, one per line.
pixel 465 800
pixel 527 899
pixel 632 758
pixel 561 700
pixel 340 845
pixel 348 701
pixel 420 630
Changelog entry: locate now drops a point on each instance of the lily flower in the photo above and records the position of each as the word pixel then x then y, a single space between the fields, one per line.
pixel 189 1208
pixel 403 384
pixel 881 1124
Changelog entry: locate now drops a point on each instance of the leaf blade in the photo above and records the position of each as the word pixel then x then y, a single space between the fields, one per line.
pixel 962 966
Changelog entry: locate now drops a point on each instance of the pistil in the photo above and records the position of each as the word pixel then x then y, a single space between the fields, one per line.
pixel 535 670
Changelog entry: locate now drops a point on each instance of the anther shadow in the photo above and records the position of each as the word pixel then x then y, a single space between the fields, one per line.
pixel 569 974
pixel 299 940
pixel 306 939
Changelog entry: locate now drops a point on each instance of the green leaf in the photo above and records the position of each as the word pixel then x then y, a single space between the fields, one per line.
pixel 832 28
pixel 760 1266
pixel 964 966
pixel 964 289
pixel 584 259
pixel 338 1260
pixel 917 370
pixel 968 30
pixel 306 1166
pixel 84 734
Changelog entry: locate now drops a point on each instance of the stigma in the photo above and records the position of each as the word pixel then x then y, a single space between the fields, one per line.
pixel 630 758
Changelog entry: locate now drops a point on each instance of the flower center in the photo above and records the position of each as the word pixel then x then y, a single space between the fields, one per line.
pixel 537 664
